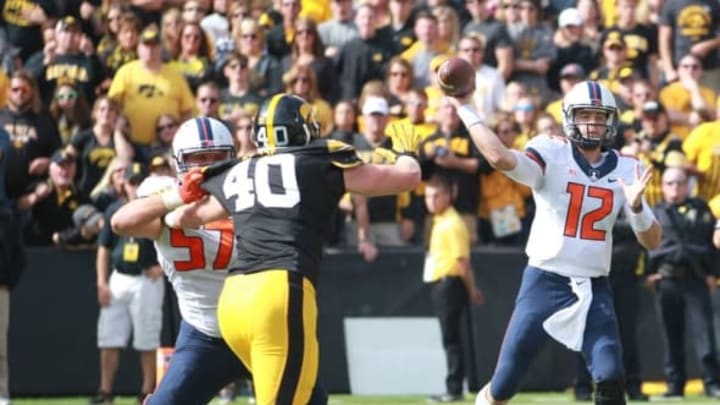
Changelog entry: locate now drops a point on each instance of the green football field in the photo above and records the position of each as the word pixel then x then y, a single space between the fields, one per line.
pixel 529 398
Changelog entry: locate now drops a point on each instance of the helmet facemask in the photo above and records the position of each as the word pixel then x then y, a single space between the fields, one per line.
pixel 574 131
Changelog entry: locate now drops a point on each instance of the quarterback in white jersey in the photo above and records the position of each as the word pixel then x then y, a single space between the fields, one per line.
pixel 579 187
pixel 195 261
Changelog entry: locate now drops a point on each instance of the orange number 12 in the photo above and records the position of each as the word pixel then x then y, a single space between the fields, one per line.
pixel 587 225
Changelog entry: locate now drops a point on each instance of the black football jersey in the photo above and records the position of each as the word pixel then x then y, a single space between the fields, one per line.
pixel 283 204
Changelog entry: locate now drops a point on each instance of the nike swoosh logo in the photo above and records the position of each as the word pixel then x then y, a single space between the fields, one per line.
pixel 612 179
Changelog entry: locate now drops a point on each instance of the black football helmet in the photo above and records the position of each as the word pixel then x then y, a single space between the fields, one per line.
pixel 283 121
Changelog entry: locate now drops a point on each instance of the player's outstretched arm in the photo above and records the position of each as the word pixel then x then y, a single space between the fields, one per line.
pixel 141 218
pixel 487 142
pixel 196 214
pixel 372 179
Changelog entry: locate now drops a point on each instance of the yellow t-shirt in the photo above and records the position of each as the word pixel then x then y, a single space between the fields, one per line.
pixel 318 10
pixel 555 109
pixel 4 83
pixel 146 95
pixel 702 148
pixel 675 97
pixel 449 241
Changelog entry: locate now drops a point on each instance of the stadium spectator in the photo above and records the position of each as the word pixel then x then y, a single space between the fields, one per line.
pixel 69 110
pixel 415 104
pixel 170 32
pixel 72 58
pixel 24 24
pixel 570 75
pixel 503 218
pixel 95 147
pixel 449 273
pixel 165 129
pixel 125 48
pixel 265 69
pixel 111 27
pixel 280 36
pixel 524 113
pixel 427 47
pixel 362 59
pixel 570 48
pixel 675 40
pixel 701 148
pixel 448 28
pixel 498 52
pixel 450 152
pixel 207 100
pixel 398 78
pixel 130 290
pixel 237 97
pixel 307 49
pixel 615 65
pixel 244 145
pixel 533 51
pixel 12 263
pixel 546 125
pixel 338 30
pixel 193 60
pixel 489 84
pixel 301 81
pixel 592 22
pixel 33 135
pixel 110 187
pixel 345 124
pixel 146 89
pixel 687 101
pixel 642 91
pixel 216 24
pixel 193 11
pixel 683 271
pixel 402 20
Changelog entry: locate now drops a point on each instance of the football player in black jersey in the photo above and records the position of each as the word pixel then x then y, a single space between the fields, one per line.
pixel 282 201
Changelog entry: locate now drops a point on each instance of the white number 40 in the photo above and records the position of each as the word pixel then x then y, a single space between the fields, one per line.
pixel 258 188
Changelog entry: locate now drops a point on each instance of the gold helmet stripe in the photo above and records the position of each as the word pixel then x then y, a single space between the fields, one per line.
pixel 270 121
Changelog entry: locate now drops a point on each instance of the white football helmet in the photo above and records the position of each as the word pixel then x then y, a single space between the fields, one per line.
pixel 200 134
pixel 589 95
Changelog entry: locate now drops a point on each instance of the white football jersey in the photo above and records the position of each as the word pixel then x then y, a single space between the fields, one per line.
pixel 196 261
pixel 576 205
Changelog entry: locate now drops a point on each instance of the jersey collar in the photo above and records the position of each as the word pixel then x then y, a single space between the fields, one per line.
pixel 595 173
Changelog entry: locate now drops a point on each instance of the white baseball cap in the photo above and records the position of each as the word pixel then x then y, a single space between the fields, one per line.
pixel 375 105
pixel 570 17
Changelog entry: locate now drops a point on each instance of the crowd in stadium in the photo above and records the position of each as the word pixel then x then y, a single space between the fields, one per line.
pixel 88 87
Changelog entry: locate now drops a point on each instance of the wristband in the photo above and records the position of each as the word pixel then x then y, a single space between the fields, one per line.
pixel 171 198
pixel 641 221
pixel 468 115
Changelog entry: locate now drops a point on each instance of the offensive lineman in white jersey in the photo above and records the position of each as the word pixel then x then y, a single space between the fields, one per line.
pixel 579 188
pixel 195 261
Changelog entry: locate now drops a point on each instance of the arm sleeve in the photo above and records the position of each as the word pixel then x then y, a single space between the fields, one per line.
pixel 530 169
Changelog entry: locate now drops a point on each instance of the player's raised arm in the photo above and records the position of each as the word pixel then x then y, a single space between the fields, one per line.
pixel 142 217
pixel 643 222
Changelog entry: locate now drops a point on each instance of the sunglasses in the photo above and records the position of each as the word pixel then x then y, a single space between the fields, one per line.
pixel 163 127
pixel 210 100
pixel 72 95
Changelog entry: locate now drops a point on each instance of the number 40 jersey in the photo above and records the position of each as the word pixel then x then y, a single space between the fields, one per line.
pixel 576 205
pixel 283 204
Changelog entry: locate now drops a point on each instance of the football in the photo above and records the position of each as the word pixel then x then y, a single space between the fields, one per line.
pixel 456 77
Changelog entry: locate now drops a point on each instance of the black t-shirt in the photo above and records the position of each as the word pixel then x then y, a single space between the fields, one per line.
pixel 85 71
pixel 53 214
pixel 495 34
pixel 128 255
pixel 249 102
pixel 641 43
pixel 283 205
pixel 468 184
pixel 31 136
pixel 692 21
pixel 21 32
pixel 93 160
pixel 360 61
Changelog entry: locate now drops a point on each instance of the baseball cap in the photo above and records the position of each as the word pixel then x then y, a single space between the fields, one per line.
pixel 68 23
pixel 60 157
pixel 375 105
pixel 135 172
pixel 150 35
pixel 570 17
pixel 652 108
pixel 86 215
pixel 614 39
pixel 572 70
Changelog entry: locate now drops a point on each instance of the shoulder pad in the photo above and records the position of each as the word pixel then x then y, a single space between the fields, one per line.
pixel 154 185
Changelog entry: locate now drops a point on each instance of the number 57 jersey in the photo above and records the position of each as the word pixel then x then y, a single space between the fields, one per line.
pixel 576 206
pixel 283 205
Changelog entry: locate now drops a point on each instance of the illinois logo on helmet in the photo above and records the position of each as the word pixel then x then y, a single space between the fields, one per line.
pixel 589 95
pixel 283 121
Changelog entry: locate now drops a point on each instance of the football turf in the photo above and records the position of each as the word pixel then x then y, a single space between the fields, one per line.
pixel 522 399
